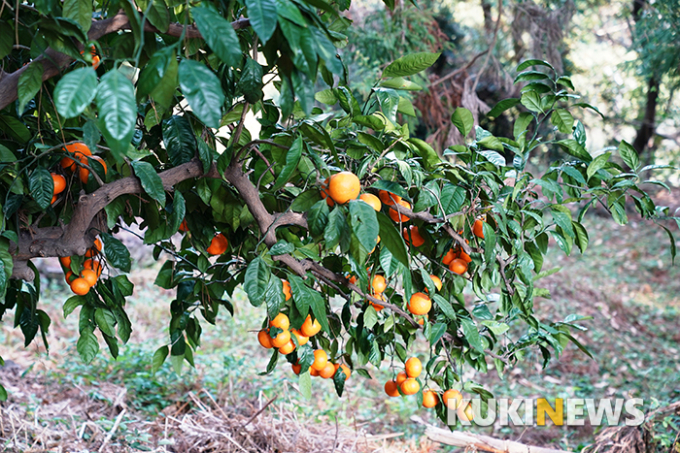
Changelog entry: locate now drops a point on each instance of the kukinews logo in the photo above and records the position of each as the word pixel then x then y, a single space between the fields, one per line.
pixel 530 412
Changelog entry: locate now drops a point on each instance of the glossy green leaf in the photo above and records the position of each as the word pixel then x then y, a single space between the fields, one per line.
pixel 30 82
pixel 472 334
pixel 87 346
pixel 80 11
pixel 179 140
pixel 117 110
pixel 292 159
pixel 75 91
pixel 256 281
pixel 463 120
pixel 42 187
pixel 502 106
pixel 116 253
pixel 159 358
pixel 156 13
pixel 151 182
pixel 532 101
pixel 203 91
pixel 219 34
pixel 562 120
pixel 250 82
pixel 262 15
pixel 629 155
pixel 597 164
pixel 391 239
pixel 410 64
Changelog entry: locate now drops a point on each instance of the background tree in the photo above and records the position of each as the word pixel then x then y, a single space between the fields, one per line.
pixel 356 238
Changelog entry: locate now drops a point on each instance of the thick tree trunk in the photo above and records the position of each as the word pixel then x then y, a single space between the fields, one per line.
pixel 646 129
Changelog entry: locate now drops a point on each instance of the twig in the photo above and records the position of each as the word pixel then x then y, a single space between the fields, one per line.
pixel 113 430
pixel 459 70
pixel 256 414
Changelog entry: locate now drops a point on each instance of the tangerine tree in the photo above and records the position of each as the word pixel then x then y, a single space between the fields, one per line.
pixel 356 238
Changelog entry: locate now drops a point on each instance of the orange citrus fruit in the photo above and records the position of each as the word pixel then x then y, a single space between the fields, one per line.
pixel 415 236
pixel 101 162
pixel 464 256
pixel 309 328
pixel 65 261
pixel 388 197
pixel 401 377
pixel 419 304
pixel 409 387
pixel 379 296
pixel 437 282
pixel 79 150
pixel 344 186
pixel 90 276
pixel 413 367
pixel 450 256
pixel 92 251
pixel 59 183
pixel 301 339
pixel 430 398
pixel 281 321
pixel 458 266
pixel 371 200
pixel 264 339
pixel 296 368
pixel 183 227
pixel 281 339
pixel 80 286
pixel 287 348
pixel 478 228
pixel 379 284
pixel 325 195
pixel 94 265
pixel 218 245
pixel 53 200
pixel 396 216
pixel 286 290
pixel 320 360
pixel 327 371
pixel 313 372
pixel 421 321
pixel 454 396
pixel 391 388
pixel 68 276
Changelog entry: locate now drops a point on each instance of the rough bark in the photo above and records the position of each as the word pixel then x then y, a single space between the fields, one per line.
pixel 53 62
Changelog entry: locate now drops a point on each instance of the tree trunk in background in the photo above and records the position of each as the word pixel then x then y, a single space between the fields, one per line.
pixel 488 20
pixel 646 129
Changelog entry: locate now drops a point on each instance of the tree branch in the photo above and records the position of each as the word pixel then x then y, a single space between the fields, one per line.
pixel 54 61
pixel 77 237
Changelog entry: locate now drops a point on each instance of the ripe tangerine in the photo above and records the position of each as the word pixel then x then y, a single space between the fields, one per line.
pixel 344 186
pixel 419 304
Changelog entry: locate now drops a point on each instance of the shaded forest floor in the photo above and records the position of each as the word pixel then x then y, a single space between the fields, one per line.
pixel 625 283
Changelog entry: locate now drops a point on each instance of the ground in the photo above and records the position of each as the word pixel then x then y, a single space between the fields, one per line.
pixel 625 282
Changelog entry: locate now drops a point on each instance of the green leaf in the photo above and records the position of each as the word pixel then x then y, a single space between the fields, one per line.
pixel 572 147
pixel 75 91
pixel 72 303
pixel 672 241
pixel 281 248
pixel 452 198
pixel 219 34
pixel 370 317
pixel 117 110
pixel 80 11
pixel 406 107
pixel 179 140
pixel 203 91
pixel 292 159
pixel 30 82
pixel 598 163
pixel 399 83
pixel 521 124
pixel 250 82
pixel 532 101
pixel 3 393
pixel 391 239
pixel 326 96
pixel 533 62
pixel 151 182
pixel 116 253
pixel 339 379
pixel 436 332
pixel 581 236
pixel 87 345
pixel 463 120
pixel 529 76
pixel 262 15
pixel 159 358
pixel 41 186
pixel 256 281
pixel 426 152
pixel 105 320
pixel 336 229
pixel 629 155
pixel 158 14
pixel 472 334
pixel 6 39
pixel 364 223
pixel 563 120
pixel 317 218
pixel 410 64
pixel 155 69
pixel 444 306
pixel 502 106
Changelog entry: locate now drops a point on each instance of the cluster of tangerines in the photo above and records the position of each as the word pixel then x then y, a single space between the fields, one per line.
pixel 82 154
pixel 282 339
pixel 92 270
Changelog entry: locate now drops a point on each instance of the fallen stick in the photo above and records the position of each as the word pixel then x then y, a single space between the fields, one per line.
pixel 483 443
pixel 113 430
